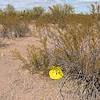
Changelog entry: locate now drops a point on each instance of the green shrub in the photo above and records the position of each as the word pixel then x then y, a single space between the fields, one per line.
pixel 37 58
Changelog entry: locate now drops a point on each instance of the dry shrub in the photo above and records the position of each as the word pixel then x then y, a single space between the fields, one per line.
pixel 37 59
pixel 13 26
pixel 79 54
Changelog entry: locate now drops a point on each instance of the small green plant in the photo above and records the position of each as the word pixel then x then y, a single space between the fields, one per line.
pixel 37 59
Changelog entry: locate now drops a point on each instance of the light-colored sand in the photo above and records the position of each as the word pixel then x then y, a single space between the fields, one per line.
pixel 16 84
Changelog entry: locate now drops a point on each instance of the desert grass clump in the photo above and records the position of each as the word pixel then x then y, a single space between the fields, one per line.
pixel 37 59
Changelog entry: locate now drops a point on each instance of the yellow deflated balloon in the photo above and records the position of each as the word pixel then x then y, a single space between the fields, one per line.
pixel 56 73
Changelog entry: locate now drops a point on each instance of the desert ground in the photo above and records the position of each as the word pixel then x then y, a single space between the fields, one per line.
pixel 59 37
pixel 16 84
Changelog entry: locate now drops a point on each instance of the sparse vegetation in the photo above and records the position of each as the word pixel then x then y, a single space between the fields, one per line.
pixel 67 39
pixel 38 59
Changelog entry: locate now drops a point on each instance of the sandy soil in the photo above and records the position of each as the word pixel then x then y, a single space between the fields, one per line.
pixel 16 84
